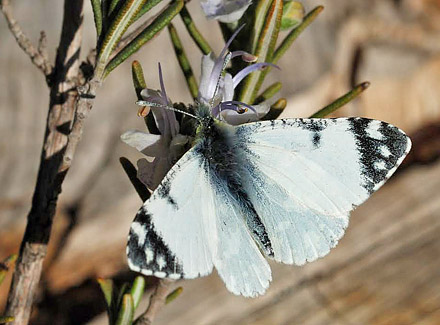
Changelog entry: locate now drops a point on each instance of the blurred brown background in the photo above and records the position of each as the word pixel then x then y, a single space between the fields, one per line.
pixel 386 270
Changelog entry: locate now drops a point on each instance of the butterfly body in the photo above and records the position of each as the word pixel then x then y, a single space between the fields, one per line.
pixel 272 189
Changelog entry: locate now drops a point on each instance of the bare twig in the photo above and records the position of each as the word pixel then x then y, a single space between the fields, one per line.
pixel 67 111
pixel 157 301
pixel 39 60
pixel 42 46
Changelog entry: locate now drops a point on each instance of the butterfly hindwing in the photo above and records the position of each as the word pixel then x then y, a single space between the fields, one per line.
pixel 304 176
pixel 193 222
pixel 173 220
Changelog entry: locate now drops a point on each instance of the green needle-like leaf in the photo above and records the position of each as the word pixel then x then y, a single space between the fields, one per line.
pixel 290 38
pixel 173 295
pixel 139 84
pixel 341 101
pixel 293 35
pixel 97 16
pixel 137 290
pixel 131 172
pixel 120 296
pixel 276 110
pixel 265 48
pixel 150 4
pixel 259 21
pixel 269 92
pixel 117 28
pixel 6 319
pixel 183 61
pixel 126 313
pixel 107 289
pixel 5 266
pixel 194 32
pixel 147 34
pixel 112 6
pixel 137 74
pixel 293 14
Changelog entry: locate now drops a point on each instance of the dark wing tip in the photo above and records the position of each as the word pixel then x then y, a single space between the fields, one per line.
pixel 146 251
pixel 382 148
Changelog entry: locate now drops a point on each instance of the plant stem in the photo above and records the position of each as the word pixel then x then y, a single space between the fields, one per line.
pixel 69 105
pixel 23 41
pixel 341 101
pixel 183 61
pixel 157 301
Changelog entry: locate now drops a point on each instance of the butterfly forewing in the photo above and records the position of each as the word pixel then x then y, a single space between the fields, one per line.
pixel 304 176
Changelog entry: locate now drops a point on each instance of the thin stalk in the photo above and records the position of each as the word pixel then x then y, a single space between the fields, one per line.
pixel 183 61
pixel 293 35
pixel 194 32
pixel 341 101
pixel 269 92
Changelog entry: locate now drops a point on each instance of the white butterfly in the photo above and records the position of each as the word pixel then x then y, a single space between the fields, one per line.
pixel 279 189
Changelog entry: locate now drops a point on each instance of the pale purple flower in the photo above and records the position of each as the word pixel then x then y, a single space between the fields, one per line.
pixel 217 89
pixel 164 149
pixel 226 11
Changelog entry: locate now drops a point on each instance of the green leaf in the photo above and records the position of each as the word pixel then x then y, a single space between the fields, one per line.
pixel 137 74
pixel 150 4
pixel 293 35
pixel 6 319
pixel 117 28
pixel 147 34
pixel 112 6
pixel 265 48
pixel 5 266
pixel 269 92
pixel 194 32
pixel 131 172
pixel 276 110
pixel 259 21
pixel 293 14
pixel 290 38
pixel 107 289
pixel 126 313
pixel 183 61
pixel 137 290
pixel 173 295
pixel 341 101
pixel 97 16
pixel 120 295
pixel 139 84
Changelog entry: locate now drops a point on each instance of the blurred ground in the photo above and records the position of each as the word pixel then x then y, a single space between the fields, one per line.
pixel 384 271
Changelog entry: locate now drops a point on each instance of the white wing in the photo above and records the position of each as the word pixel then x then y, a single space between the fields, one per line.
pixel 237 257
pixel 171 235
pixel 304 176
pixel 192 223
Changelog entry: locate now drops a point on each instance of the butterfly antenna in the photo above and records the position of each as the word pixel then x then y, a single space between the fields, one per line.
pixel 170 108
pixel 217 86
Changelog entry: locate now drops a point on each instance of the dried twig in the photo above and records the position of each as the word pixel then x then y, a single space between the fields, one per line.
pixel 42 46
pixel 23 41
pixel 67 111
pixel 157 300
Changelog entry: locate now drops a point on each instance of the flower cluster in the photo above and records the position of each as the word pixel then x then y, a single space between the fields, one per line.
pixel 216 90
